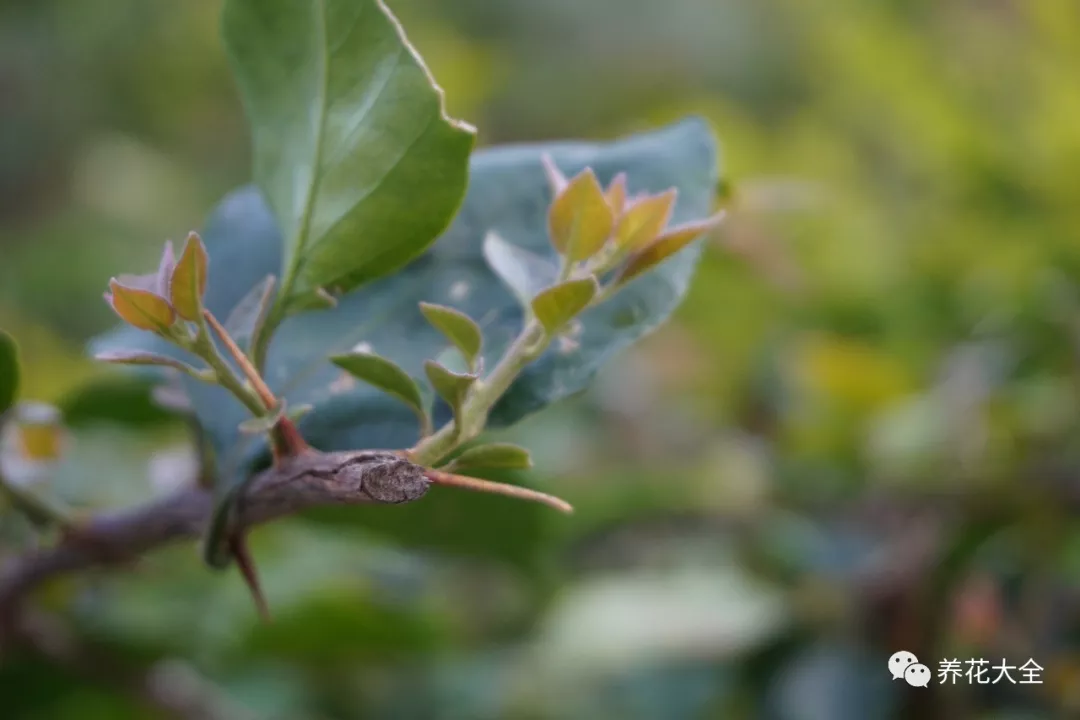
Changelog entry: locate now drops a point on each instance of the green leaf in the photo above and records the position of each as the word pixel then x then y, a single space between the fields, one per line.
pixel 524 273
pixel 9 371
pixel 558 305
pixel 506 456
pixel 507 194
pixel 353 149
pixel 459 328
pixel 450 386
pixel 384 375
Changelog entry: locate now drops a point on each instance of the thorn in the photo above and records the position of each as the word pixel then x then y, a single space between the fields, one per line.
pixel 239 549
pixel 439 477
pixel 286 440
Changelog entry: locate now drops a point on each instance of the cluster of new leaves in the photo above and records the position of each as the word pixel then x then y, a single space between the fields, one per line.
pixel 359 173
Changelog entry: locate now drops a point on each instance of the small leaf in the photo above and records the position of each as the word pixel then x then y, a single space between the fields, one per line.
pixel 503 456
pixel 459 328
pixel 140 308
pixel 451 386
pixel 560 304
pixel 249 315
pixel 295 413
pixel 261 424
pixel 386 376
pixel 644 220
pixel 555 178
pixel 667 245
pixel 523 272
pixel 139 357
pixel 187 284
pixel 9 371
pixel 616 194
pixel 580 219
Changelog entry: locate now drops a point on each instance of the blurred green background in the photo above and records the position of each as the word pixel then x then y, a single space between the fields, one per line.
pixel 858 435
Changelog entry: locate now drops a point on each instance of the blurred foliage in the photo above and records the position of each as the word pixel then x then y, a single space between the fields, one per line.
pixel 859 436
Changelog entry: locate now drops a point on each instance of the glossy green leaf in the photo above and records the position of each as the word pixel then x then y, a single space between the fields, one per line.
pixel 9 371
pixel 353 149
pixel 508 195
pixel 560 304
pixel 450 386
pixel 459 328
pixel 506 456
pixel 384 375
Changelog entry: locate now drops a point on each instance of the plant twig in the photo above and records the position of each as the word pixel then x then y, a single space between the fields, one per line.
pixel 309 480
pixel 438 477
pixel 252 375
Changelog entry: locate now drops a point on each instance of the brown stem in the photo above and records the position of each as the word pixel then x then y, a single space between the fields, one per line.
pixel 238 547
pixel 439 477
pixel 252 375
pixel 297 484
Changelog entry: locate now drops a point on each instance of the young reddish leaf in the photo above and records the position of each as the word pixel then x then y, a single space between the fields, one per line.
pixel 140 308
pixel 644 220
pixel 667 245
pixel 383 374
pixel 616 194
pixel 187 284
pixel 556 179
pixel 459 328
pixel 139 357
pixel 505 456
pixel 580 219
pixel 451 386
pixel 561 303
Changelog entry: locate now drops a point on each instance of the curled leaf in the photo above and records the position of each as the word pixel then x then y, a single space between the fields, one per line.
pixel 187 284
pixel 504 456
pixel 580 219
pixel 459 329
pixel 667 245
pixel 451 386
pixel 560 304
pixel 140 308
